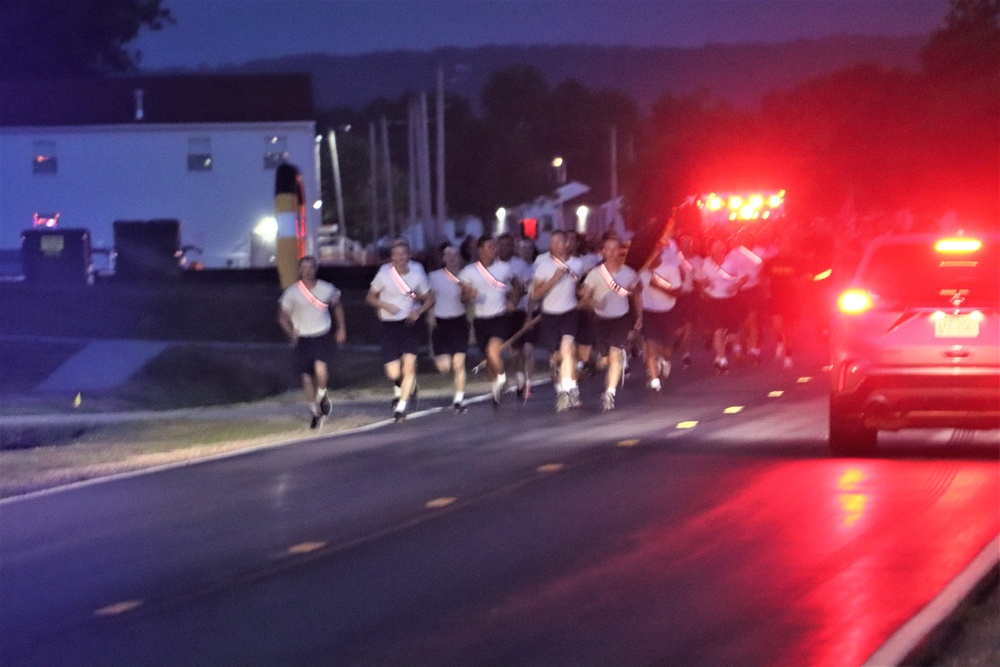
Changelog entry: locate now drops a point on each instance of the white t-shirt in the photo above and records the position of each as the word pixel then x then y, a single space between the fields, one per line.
pixel 720 280
pixel 655 299
pixel 447 294
pixel 608 303
pixel 491 299
pixel 562 297
pixel 747 264
pixel 390 292
pixel 523 271
pixel 310 313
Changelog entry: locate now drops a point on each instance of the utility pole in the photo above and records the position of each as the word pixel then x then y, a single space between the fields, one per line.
pixel 424 156
pixel 442 211
pixel 411 149
pixel 387 170
pixel 374 179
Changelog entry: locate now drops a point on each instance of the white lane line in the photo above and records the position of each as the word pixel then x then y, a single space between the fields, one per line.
pixel 902 642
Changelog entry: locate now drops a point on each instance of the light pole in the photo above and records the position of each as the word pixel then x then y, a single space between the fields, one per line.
pixel 559 165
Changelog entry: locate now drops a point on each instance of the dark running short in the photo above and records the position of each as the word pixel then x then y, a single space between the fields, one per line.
pixel 518 319
pixel 749 300
pixel 586 328
pixel 554 327
pixel 686 308
pixel 612 333
pixel 451 335
pixel 491 327
pixel 661 326
pixel 399 338
pixel 310 349
pixel 721 314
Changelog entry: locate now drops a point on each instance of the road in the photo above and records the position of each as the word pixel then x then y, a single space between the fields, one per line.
pixel 705 525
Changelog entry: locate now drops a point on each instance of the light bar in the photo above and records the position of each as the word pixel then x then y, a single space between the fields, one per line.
pixel 854 301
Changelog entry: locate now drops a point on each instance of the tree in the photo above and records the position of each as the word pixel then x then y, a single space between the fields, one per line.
pixel 59 38
pixel 969 44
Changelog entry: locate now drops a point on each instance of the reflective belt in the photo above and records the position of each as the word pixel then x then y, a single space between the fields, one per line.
pixel 497 285
pixel 451 276
pixel 311 298
pixel 401 284
pixel 612 283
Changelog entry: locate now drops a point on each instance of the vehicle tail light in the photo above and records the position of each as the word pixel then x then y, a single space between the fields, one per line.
pixel 854 301
pixel 958 245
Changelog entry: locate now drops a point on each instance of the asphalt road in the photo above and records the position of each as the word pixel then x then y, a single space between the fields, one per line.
pixel 676 530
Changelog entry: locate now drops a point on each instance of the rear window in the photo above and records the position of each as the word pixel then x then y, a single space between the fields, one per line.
pixel 916 274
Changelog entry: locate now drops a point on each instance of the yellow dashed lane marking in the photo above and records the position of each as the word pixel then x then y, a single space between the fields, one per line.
pixel 631 442
pixel 732 410
pixel 118 608
pixel 776 394
pixel 804 379
pixel 691 424
pixel 305 547
pixel 439 502
pixel 550 467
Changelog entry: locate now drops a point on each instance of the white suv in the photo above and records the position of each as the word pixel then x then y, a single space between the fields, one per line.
pixel 916 341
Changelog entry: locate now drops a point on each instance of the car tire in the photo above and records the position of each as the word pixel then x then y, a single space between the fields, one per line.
pixel 849 436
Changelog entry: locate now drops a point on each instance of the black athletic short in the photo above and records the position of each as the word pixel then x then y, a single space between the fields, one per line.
pixel 586 329
pixel 554 327
pixel 518 319
pixel 722 314
pixel 310 349
pixel 612 332
pixel 660 326
pixel 451 335
pixel 399 338
pixel 491 327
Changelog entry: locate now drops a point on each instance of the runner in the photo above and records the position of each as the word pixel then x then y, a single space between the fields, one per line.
pixel 721 284
pixel 401 294
pixel 522 349
pixel 304 316
pixel 614 292
pixel 554 286
pixel 787 274
pixel 487 284
pixel 448 322
pixel 661 288
pixel 750 299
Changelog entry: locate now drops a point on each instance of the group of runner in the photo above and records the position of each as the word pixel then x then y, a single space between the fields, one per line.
pixel 580 301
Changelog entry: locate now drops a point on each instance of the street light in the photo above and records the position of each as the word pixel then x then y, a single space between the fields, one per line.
pixel 560 166
pixel 501 220
pixel 581 219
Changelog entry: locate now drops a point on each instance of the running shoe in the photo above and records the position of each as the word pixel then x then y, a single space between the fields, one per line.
pixel 563 401
pixel 574 397
pixel 663 366
pixel 459 407
pixel 325 408
pixel 788 363
pixel 316 422
pixel 655 385
pixel 524 392
pixel 398 416
pixel 755 355
pixel 721 365
pixel 688 361
pixel 607 402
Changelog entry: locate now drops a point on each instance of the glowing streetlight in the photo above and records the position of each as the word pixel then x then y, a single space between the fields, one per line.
pixel 501 220
pixel 267 228
pixel 581 219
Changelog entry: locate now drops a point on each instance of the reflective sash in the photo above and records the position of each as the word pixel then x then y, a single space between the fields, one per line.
pixel 496 284
pixel 565 267
pixel 311 298
pixel 451 276
pixel 660 281
pixel 401 284
pixel 612 283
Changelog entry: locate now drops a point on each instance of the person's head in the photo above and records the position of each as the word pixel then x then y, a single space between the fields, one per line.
pixel 573 242
pixel 526 250
pixel 612 250
pixel 505 247
pixel 487 249
pixel 399 253
pixel 308 266
pixel 559 243
pixel 717 249
pixel 451 257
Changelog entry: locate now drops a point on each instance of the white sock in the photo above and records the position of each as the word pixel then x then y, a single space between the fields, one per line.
pixel 459 396
pixel 320 393
pixel 397 391
pixel 521 379
pixel 401 406
pixel 500 381
pixel 610 390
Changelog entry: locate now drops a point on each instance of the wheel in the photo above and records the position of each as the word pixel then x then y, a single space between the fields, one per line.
pixel 849 436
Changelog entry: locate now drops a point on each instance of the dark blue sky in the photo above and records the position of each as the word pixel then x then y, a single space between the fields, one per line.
pixel 215 32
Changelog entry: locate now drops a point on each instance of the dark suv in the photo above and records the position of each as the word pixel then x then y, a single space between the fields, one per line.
pixel 916 341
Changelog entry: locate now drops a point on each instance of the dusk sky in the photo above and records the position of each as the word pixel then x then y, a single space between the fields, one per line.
pixel 218 32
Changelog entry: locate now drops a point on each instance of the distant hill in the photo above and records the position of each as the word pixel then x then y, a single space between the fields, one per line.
pixel 739 74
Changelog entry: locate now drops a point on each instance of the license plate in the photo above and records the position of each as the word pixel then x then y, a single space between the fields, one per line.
pixel 956 326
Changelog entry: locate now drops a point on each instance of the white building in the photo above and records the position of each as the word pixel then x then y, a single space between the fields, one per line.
pixel 199 149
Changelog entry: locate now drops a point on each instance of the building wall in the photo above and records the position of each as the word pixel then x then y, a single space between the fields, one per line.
pixel 140 172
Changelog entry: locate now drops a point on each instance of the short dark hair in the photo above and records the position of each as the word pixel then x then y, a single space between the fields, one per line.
pixel 483 240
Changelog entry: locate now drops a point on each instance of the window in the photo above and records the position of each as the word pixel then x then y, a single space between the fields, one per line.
pixel 45 161
pixel 200 154
pixel 275 152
